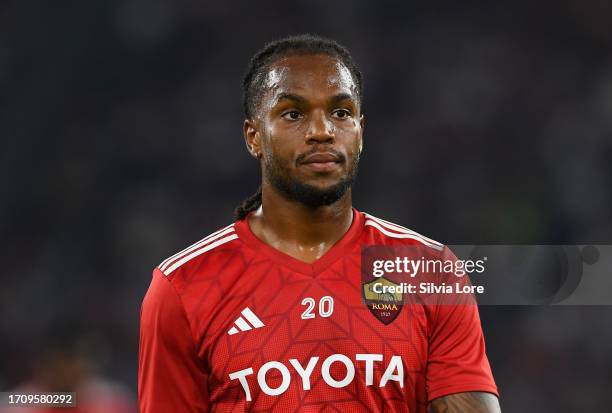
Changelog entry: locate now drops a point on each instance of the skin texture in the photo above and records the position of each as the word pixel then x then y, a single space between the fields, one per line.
pixel 471 402
pixel 310 106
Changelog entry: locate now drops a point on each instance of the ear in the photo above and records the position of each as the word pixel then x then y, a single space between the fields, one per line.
pixel 252 138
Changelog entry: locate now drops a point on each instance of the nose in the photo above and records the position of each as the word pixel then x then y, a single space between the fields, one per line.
pixel 320 129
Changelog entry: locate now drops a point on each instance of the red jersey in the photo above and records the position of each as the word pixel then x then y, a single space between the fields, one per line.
pixel 232 324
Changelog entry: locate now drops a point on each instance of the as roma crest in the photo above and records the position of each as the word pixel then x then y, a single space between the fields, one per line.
pixel 385 306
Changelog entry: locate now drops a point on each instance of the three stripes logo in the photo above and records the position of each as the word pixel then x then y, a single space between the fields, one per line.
pixel 241 323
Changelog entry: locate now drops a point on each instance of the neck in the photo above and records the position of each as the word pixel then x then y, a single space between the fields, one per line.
pixel 304 232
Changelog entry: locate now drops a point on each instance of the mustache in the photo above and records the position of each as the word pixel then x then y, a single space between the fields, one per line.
pixel 300 158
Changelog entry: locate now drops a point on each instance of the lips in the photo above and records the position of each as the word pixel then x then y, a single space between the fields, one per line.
pixel 321 158
pixel 322 161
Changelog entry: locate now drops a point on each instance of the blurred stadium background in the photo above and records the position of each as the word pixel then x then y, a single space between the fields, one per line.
pixel 486 122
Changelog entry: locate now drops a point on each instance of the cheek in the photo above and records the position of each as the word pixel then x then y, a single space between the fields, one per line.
pixel 354 151
pixel 349 126
pixel 285 137
pixel 352 135
pixel 279 145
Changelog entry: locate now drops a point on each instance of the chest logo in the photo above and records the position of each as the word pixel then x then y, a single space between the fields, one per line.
pixel 247 321
pixel 384 303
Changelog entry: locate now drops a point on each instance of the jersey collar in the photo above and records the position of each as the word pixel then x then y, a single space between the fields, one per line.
pixel 337 250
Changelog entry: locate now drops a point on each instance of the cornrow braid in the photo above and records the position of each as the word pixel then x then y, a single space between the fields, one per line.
pixel 304 44
pixel 253 82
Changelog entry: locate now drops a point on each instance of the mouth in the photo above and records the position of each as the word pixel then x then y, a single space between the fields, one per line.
pixel 322 162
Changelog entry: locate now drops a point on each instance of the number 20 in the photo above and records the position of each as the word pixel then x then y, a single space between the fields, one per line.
pixel 326 307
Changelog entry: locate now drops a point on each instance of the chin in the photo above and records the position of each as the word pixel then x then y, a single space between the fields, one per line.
pixel 327 186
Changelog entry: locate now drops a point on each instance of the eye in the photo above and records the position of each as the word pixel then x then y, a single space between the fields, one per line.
pixel 292 115
pixel 341 113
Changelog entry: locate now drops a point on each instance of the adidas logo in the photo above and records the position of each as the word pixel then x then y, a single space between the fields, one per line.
pixel 241 324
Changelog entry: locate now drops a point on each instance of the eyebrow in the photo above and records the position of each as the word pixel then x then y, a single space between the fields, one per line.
pixel 291 97
pixel 299 99
pixel 342 96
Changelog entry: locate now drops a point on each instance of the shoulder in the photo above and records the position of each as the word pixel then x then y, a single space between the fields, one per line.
pixel 380 231
pixel 188 258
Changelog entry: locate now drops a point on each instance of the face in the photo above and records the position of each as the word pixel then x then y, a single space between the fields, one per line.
pixel 308 129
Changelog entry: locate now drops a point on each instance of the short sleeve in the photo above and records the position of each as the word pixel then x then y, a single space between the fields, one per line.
pixel 171 377
pixel 457 361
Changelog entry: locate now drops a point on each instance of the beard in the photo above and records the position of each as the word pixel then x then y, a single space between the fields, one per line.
pixel 279 175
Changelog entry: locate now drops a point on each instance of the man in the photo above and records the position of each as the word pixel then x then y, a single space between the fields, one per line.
pixel 268 314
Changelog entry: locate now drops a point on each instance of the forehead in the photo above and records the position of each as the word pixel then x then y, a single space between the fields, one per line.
pixel 308 75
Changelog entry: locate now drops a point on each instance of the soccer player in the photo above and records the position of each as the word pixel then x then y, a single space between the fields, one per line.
pixel 268 313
